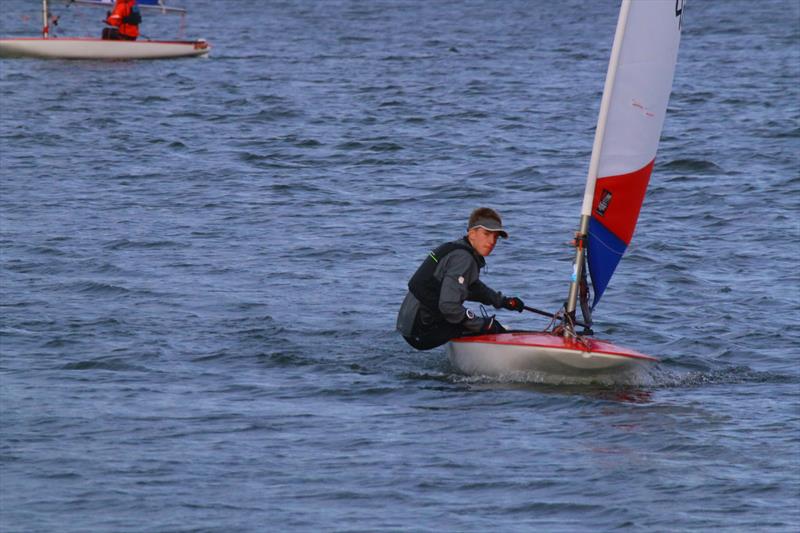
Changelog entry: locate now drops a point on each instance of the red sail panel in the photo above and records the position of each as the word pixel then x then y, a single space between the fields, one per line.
pixel 618 200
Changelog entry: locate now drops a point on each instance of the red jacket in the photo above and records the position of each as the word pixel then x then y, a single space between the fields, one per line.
pixel 123 9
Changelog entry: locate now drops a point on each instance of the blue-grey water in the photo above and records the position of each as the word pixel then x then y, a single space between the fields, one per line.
pixel 202 262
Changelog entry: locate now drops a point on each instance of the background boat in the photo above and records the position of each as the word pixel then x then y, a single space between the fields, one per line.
pixel 51 47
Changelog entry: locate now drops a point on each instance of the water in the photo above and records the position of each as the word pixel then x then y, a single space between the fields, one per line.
pixel 202 261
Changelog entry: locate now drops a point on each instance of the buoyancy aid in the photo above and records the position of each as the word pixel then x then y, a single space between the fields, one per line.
pixel 424 285
pixel 126 17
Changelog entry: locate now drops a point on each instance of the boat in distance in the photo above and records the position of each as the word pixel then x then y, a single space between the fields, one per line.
pixel 49 46
pixel 90 48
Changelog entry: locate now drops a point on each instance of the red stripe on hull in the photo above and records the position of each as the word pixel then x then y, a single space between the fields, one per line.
pixel 547 340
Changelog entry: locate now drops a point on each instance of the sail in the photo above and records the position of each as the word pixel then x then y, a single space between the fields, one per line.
pixel 635 100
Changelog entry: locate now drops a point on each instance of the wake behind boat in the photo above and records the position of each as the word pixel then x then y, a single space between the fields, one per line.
pixel 48 47
pixel 632 111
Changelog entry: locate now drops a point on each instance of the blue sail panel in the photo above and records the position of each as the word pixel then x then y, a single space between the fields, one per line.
pixel 604 250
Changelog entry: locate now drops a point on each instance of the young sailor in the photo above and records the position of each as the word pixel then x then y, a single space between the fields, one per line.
pixel 433 311
pixel 124 19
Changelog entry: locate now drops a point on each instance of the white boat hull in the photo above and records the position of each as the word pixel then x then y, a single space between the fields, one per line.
pixel 509 353
pixel 88 48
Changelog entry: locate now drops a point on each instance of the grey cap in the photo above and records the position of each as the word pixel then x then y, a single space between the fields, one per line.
pixel 489 224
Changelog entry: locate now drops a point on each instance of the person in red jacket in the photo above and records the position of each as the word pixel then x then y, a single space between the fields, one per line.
pixel 124 19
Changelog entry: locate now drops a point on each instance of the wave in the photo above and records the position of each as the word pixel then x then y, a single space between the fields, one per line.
pixel 692 165
pixel 115 365
pixel 663 377
pixel 99 288
pixel 127 244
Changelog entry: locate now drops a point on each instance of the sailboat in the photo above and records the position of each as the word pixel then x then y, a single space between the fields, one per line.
pixel 637 88
pixel 49 47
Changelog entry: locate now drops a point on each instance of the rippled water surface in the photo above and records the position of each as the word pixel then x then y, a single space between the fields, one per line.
pixel 201 263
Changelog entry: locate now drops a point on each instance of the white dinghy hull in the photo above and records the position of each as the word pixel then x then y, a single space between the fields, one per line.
pixel 89 48
pixel 507 353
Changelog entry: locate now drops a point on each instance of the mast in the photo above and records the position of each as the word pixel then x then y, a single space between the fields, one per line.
pixel 45 22
pixel 591 179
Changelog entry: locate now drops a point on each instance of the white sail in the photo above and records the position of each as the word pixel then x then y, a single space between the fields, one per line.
pixel 632 111
pixel 93 48
pixel 638 100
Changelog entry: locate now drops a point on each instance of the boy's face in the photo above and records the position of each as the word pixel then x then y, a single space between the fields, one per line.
pixel 482 240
